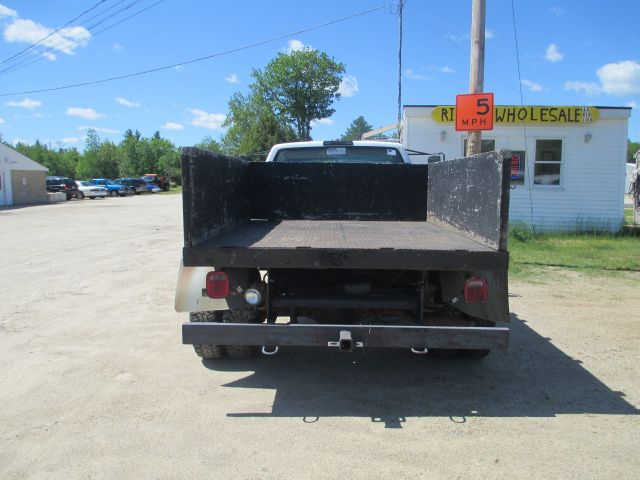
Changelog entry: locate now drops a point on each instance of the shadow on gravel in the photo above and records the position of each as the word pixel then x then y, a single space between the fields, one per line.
pixel 532 379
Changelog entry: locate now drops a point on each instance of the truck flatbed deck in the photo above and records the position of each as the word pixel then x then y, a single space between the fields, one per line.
pixel 344 244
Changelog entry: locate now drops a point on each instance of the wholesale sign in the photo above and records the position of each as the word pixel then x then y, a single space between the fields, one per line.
pixel 515 114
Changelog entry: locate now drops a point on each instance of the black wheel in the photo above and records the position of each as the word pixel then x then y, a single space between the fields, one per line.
pixel 113 193
pixel 210 352
pixel 92 198
pixel 80 196
pixel 240 316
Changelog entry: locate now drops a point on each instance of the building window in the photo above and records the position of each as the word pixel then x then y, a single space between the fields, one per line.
pixel 518 162
pixel 487 145
pixel 548 162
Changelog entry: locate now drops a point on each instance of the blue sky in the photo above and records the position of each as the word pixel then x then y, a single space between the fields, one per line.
pixel 571 53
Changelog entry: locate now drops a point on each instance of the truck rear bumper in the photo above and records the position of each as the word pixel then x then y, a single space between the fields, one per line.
pixel 368 336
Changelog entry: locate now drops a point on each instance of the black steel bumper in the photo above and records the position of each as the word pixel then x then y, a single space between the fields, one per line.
pixel 374 336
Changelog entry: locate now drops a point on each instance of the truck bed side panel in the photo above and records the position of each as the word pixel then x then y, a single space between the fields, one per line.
pixel 471 194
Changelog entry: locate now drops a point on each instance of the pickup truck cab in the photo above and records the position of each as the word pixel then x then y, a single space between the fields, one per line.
pixel 339 152
pixel 114 189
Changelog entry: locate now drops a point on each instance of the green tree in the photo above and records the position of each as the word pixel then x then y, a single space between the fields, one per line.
pixel 356 129
pixel 208 143
pixel 632 148
pixel 253 127
pixel 299 87
pixel 100 158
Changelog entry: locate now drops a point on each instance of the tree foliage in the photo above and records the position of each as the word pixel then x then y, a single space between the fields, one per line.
pixel 134 156
pixel 632 148
pixel 293 90
pixel 356 129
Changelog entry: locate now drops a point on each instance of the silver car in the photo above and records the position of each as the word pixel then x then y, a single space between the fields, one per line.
pixel 88 189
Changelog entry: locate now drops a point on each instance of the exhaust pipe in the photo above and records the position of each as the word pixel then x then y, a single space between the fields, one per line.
pixel 345 342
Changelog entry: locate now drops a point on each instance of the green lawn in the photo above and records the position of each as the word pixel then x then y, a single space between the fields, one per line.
pixel 593 253
pixel 173 190
pixel 628 216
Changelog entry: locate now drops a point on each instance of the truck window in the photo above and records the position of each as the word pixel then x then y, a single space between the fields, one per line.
pixel 340 154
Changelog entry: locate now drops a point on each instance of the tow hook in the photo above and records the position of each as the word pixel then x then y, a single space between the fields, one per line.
pixel 269 350
pixel 345 343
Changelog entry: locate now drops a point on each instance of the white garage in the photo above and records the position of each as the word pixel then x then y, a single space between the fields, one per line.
pixel 22 181
pixel 577 156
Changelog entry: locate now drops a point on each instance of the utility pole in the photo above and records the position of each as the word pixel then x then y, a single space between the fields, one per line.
pixel 476 77
pixel 400 5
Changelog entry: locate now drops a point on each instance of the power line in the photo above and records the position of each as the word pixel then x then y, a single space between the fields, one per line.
pixel 23 51
pixel 40 55
pixel 199 59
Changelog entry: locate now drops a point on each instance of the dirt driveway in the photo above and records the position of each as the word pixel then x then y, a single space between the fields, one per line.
pixel 94 382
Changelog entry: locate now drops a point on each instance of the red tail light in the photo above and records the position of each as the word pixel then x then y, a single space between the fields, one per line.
pixel 476 290
pixel 217 284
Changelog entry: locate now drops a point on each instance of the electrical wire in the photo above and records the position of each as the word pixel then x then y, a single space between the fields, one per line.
pixel 528 174
pixel 40 55
pixel 23 51
pixel 72 44
pixel 199 59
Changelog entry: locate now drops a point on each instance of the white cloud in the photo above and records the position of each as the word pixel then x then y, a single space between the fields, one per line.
pixel 2 122
pixel 70 140
pixel 323 121
pixel 25 103
pixel 126 103
pixel 488 34
pixel 97 129
pixel 88 113
pixel 231 78
pixel 411 75
pixel 557 11
pixel 117 47
pixel 204 119
pixel 620 79
pixel 589 88
pixel 348 86
pixel 445 69
pixel 295 45
pixel 458 38
pixel 16 141
pixel 172 126
pixel 178 68
pixel 7 12
pixel 628 104
pixel 66 40
pixel 533 86
pixel 38 115
pixel 553 54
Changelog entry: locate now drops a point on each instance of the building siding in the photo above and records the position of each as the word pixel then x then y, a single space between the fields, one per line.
pixel 591 191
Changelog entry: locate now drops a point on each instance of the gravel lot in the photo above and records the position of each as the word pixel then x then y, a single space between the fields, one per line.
pixel 94 382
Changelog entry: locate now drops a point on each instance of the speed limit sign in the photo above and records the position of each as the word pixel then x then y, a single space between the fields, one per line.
pixel 474 111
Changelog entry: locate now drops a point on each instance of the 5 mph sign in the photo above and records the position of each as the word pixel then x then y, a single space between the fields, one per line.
pixel 474 111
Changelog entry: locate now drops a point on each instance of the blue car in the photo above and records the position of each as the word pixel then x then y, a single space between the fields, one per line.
pixel 114 189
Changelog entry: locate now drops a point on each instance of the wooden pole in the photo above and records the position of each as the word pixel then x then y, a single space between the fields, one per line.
pixel 476 76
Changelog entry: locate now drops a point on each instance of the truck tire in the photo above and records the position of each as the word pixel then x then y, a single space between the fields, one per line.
pixel 240 316
pixel 207 352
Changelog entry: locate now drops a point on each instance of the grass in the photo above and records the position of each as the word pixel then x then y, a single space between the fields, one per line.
pixel 172 190
pixel 594 253
pixel 628 216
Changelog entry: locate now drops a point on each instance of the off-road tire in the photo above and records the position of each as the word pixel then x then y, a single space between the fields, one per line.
pixel 240 316
pixel 207 352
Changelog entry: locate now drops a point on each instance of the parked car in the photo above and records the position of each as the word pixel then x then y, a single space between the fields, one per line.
pixel 63 184
pixel 153 188
pixel 114 189
pixel 158 180
pixel 138 185
pixel 91 190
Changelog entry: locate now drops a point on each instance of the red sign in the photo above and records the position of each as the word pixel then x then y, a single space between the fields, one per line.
pixel 474 111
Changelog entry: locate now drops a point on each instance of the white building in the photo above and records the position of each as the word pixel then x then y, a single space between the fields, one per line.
pixel 22 181
pixel 577 153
